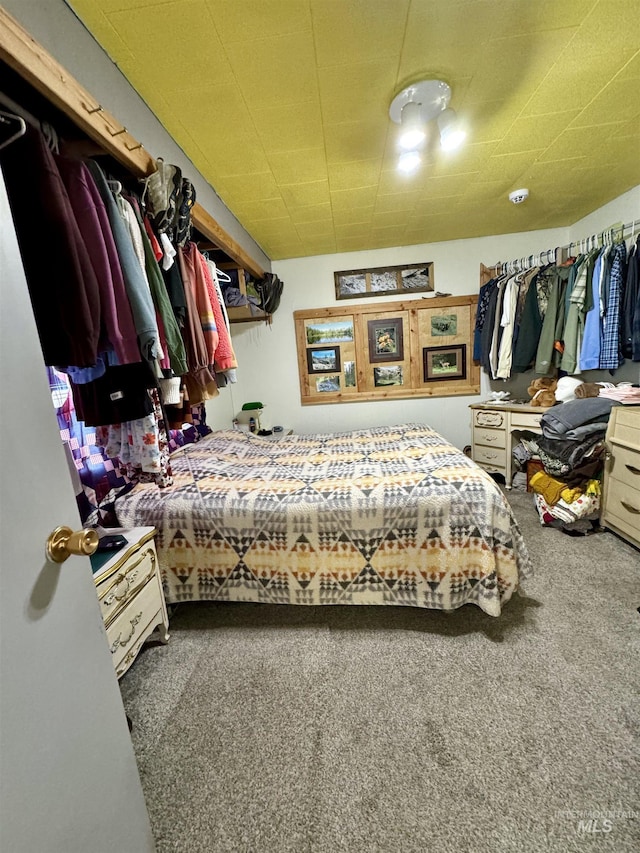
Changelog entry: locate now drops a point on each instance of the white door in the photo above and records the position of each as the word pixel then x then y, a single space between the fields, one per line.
pixel 68 777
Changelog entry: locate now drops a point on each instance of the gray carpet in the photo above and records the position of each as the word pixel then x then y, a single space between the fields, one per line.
pixel 317 730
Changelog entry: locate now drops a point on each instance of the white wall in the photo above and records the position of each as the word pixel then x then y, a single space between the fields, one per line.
pixel 267 356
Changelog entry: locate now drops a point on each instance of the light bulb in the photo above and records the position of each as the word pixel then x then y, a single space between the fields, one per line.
pixel 409 161
pixel 451 134
pixel 412 133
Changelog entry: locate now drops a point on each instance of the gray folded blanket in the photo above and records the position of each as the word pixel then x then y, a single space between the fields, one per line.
pixel 577 419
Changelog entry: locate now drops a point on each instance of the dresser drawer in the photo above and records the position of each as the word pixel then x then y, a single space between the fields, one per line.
pixel 489 437
pixel 489 418
pixel 622 509
pixel 131 624
pixel 490 456
pixel 624 466
pixel 527 420
pixel 626 429
pixel 115 591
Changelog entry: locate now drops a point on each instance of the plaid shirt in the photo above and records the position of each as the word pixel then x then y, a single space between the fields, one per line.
pixel 610 357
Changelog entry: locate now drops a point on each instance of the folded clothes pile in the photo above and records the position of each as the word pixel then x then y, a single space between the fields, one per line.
pixel 572 451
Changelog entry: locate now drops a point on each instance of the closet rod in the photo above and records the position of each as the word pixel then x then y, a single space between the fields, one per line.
pixel 549 255
pixel 11 105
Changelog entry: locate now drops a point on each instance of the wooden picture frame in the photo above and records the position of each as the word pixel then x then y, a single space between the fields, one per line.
pixel 323 359
pixel 444 363
pixel 385 340
pixel 384 281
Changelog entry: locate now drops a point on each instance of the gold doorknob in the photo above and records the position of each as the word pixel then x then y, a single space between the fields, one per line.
pixel 63 542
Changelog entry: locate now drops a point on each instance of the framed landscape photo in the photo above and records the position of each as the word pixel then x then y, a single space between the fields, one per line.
pixel 384 281
pixel 323 359
pixel 337 331
pixel 328 384
pixel 385 340
pixel 443 325
pixel 442 363
pixel 383 376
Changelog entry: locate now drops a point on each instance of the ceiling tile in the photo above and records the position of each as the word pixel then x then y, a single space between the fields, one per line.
pixel 314 192
pixel 275 71
pixel 356 92
pixel 255 19
pixel 359 197
pixel 531 133
pixel 250 186
pixel 572 82
pixel 354 141
pixel 618 101
pixel 580 141
pixel 289 127
pixel 308 164
pixel 359 173
pixel 308 230
pixel 311 213
pixel 349 215
pixel 153 43
pixel 366 30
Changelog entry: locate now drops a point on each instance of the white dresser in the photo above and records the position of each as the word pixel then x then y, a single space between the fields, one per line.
pixel 620 510
pixel 131 598
pixel 493 425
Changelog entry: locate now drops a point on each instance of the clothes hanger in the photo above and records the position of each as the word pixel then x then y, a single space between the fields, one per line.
pixel 14 124
pixel 222 276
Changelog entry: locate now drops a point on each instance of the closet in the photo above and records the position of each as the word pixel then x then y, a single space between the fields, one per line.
pixel 37 93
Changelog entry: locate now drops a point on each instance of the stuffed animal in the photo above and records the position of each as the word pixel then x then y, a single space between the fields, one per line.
pixel 542 392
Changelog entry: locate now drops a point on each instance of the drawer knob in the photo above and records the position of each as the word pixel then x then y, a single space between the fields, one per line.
pixel 63 542
pixel 633 469
pixel 630 508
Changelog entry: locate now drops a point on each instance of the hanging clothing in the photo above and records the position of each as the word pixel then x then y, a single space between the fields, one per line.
pixel 62 284
pixel 199 382
pixel 174 342
pixel 631 305
pixel 142 307
pixel 197 282
pixel 610 344
pixel 118 331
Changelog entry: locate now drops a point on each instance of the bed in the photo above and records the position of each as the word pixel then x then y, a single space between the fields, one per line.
pixel 387 515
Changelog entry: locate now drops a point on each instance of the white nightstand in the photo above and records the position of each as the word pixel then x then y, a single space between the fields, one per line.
pixel 131 598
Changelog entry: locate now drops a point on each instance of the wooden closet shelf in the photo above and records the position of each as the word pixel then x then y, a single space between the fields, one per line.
pixel 21 52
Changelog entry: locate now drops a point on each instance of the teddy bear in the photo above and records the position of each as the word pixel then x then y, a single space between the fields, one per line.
pixel 542 392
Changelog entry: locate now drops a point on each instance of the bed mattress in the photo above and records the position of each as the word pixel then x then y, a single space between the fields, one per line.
pixel 381 516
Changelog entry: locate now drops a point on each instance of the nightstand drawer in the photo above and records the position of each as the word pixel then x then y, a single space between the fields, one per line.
pixel 131 624
pixel 115 591
pixel 490 455
pixel 624 467
pixel 527 420
pixel 489 437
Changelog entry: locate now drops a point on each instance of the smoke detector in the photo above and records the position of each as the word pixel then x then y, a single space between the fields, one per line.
pixel 518 196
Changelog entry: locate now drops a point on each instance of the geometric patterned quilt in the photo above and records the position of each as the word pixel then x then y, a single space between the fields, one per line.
pixel 388 515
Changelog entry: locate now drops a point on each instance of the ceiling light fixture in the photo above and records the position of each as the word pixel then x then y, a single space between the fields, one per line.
pixel 417 105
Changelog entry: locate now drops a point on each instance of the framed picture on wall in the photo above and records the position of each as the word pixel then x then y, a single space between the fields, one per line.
pixel 441 363
pixel 328 384
pixel 323 359
pixel 384 281
pixel 444 325
pixel 383 376
pixel 337 331
pixel 385 340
